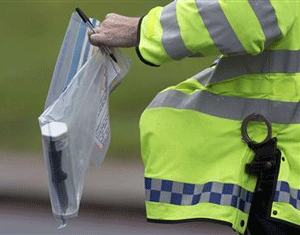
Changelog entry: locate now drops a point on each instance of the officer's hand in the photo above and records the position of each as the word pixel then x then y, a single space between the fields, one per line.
pixel 116 31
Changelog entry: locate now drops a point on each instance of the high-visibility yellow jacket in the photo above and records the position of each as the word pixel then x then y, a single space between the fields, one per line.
pixel 191 143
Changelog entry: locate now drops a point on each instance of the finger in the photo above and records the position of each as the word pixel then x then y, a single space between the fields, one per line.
pixel 90 32
pixel 98 29
pixel 97 39
pixel 111 15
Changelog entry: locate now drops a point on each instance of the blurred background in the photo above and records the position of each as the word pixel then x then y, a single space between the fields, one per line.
pixel 113 199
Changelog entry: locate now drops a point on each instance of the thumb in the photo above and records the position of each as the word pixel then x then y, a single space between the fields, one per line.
pixel 96 39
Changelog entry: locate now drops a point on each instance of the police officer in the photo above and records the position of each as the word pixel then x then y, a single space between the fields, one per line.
pixel 195 160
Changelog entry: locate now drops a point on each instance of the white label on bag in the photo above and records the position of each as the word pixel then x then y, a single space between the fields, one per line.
pixel 102 134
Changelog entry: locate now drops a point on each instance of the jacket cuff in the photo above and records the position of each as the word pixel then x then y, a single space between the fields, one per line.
pixel 137 47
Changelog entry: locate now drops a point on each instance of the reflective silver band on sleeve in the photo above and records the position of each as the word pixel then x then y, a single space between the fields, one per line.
pixel 234 108
pixel 171 38
pixel 218 27
pixel 266 15
pixel 266 62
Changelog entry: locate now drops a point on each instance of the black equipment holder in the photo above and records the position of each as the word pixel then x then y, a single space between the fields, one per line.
pixel 264 165
pixel 267 155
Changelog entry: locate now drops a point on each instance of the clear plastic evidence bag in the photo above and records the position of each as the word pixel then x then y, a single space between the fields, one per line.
pixel 75 123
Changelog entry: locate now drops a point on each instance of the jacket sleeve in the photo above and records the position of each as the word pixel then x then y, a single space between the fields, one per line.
pixel 205 28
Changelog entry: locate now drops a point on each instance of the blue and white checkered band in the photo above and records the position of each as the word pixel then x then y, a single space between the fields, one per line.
pixel 183 194
pixel 284 193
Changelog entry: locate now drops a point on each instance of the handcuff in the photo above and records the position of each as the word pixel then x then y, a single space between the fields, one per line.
pixel 267 155
pixel 258 118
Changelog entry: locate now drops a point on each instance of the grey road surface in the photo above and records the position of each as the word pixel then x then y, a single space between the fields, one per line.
pixel 31 216
pixel 112 202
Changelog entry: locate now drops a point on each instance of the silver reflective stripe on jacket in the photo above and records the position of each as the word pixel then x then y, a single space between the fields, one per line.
pixel 218 27
pixel 267 18
pixel 266 62
pixel 235 108
pixel 171 38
